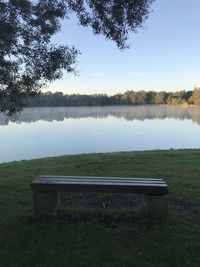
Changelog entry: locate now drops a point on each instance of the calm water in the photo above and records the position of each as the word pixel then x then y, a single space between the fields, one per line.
pixel 43 132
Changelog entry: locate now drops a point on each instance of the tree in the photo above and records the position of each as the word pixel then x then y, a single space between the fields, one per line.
pixel 28 59
pixel 141 97
pixel 161 98
pixel 195 98
pixel 150 97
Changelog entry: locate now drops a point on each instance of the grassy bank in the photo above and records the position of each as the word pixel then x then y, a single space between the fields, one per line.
pixel 102 229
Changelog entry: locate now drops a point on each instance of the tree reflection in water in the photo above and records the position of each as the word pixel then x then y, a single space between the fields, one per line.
pixel 128 113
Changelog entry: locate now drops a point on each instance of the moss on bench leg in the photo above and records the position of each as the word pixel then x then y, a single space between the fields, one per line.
pixel 156 205
pixel 46 203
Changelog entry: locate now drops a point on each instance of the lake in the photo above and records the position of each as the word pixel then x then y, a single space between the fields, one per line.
pixel 44 132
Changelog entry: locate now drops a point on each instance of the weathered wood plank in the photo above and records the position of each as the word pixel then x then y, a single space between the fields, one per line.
pixel 100 178
pixel 97 182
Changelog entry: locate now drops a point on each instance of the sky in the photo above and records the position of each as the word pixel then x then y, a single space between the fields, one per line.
pixel 164 55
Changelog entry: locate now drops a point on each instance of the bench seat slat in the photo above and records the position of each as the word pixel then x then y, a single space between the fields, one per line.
pixel 118 181
pixel 99 183
pixel 100 178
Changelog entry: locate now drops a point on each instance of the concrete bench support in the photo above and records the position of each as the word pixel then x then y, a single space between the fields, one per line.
pixel 156 205
pixel 46 203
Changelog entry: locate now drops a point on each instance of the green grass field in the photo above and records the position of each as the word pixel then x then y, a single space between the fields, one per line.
pixel 102 229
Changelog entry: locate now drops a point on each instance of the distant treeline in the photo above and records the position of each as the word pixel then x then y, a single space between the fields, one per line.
pixel 50 99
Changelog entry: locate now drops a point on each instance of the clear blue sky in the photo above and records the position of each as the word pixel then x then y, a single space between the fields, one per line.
pixel 165 55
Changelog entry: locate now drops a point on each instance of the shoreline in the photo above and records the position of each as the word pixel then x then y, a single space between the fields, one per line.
pixel 116 105
pixel 148 151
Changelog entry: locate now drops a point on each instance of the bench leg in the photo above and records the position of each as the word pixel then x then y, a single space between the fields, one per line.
pixel 156 205
pixel 46 203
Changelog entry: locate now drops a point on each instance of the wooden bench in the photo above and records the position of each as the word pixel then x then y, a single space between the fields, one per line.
pixel 46 190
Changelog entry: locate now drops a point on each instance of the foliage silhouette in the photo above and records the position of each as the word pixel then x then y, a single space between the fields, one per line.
pixel 28 59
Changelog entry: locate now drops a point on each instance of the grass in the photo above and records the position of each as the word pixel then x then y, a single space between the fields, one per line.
pixel 86 234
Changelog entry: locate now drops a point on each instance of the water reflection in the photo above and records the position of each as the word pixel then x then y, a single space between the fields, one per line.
pixel 128 113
